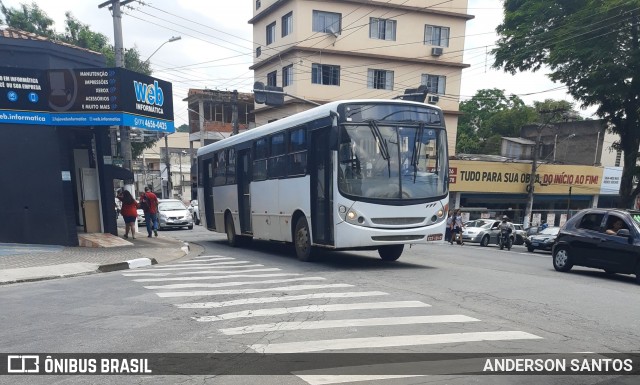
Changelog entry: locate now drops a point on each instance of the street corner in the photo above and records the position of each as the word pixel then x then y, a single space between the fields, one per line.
pixel 130 264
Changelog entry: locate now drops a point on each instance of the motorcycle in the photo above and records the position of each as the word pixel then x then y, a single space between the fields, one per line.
pixel 505 239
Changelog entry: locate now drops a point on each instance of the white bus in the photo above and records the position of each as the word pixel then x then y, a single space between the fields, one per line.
pixel 348 175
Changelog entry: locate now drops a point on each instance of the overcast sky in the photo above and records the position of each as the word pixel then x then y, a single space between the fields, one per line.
pixel 216 49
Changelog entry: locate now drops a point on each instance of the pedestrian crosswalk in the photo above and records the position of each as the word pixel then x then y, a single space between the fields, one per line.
pixel 310 313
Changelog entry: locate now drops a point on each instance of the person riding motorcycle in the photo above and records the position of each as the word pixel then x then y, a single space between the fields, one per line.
pixel 505 229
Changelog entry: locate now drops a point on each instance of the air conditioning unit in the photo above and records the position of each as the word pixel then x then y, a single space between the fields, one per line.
pixel 436 51
pixel 433 99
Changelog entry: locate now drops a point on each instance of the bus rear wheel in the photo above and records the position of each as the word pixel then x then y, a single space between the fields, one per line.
pixel 390 252
pixel 232 238
pixel 302 240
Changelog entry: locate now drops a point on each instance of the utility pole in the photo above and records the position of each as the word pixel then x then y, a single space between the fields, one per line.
pixel 534 167
pixel 125 139
pixel 569 204
pixel 167 165
pixel 234 112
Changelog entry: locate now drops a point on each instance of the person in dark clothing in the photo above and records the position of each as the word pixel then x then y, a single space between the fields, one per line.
pixel 149 204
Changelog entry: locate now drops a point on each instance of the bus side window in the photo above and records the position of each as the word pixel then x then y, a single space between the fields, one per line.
pixel 297 158
pixel 260 162
pixel 276 168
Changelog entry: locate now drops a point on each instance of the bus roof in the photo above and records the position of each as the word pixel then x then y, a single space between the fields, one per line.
pixel 292 121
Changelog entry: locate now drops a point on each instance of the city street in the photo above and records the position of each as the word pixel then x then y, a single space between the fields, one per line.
pixel 436 299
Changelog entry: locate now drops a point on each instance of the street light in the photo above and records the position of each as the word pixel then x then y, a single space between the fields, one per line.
pixel 171 40
pixel 556 144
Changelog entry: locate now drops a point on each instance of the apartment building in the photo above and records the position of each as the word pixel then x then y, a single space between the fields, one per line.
pixel 349 49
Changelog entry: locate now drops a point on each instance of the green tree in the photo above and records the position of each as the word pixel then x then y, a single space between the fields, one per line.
pixel 593 48
pixel 29 18
pixel 488 116
pixel 183 128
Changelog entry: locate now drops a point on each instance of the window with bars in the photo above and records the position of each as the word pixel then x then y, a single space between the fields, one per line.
pixel 258 4
pixel 325 74
pixel 271 33
pixel 383 29
pixel 287 75
pixel 258 51
pixel 435 35
pixel 435 83
pixel 327 22
pixel 380 79
pixel 272 78
pixel 287 24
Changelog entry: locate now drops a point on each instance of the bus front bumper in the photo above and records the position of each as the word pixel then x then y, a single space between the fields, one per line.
pixel 352 236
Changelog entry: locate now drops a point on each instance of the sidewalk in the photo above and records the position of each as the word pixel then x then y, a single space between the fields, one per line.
pixel 22 263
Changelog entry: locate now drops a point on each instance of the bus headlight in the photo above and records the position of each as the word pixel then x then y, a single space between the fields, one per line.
pixel 351 215
pixel 440 213
pixel 342 209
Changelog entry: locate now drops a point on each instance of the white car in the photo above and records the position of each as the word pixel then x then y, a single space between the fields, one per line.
pixel 173 213
pixel 195 211
pixel 141 219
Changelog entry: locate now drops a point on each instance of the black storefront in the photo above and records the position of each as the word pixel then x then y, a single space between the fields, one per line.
pixel 56 152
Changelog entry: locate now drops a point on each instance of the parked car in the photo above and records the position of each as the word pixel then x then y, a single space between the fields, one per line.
pixel 592 238
pixel 173 213
pixel 141 218
pixel 542 240
pixel 483 231
pixel 195 211
pixel 519 234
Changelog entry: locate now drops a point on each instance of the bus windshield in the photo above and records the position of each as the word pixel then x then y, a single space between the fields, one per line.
pixel 384 160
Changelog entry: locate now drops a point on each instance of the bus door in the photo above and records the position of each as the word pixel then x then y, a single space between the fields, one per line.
pixel 320 169
pixel 244 196
pixel 207 184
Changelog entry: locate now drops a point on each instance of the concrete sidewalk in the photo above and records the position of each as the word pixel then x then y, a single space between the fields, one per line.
pixel 23 263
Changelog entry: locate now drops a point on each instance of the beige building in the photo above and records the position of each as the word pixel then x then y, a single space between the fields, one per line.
pixel 350 49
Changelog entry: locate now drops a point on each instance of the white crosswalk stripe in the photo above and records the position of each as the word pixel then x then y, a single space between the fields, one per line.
pixel 247 301
pixel 200 272
pixel 204 293
pixel 196 261
pixel 343 323
pixel 207 264
pixel 228 284
pixel 391 341
pixel 154 269
pixel 215 277
pixel 312 308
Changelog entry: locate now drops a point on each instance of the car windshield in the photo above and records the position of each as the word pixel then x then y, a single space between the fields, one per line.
pixel 550 231
pixel 167 206
pixel 476 223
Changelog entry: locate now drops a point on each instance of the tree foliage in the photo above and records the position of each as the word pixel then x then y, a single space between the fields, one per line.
pixel 31 18
pixel 593 48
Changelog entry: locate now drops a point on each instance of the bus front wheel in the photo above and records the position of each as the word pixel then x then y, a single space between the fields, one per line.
pixel 302 240
pixel 390 252
pixel 232 239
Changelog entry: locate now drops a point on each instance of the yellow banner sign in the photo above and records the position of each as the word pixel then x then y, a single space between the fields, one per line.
pixel 496 177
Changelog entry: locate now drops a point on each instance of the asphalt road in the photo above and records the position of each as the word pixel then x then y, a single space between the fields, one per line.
pixel 443 299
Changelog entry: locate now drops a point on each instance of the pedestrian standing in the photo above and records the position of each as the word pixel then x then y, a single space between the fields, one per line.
pixel 457 227
pixel 129 212
pixel 449 228
pixel 149 204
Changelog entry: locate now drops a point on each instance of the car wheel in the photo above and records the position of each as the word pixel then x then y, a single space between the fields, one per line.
pixel 530 249
pixel 196 220
pixel 485 241
pixel 302 240
pixel 231 231
pixel 638 274
pixel 561 259
pixel 190 227
pixel 390 252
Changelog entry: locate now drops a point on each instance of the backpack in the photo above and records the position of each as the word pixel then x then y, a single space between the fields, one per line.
pixel 144 203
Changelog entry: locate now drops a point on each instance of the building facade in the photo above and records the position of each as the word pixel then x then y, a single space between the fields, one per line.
pixel 350 49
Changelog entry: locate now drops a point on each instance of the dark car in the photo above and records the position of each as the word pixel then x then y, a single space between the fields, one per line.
pixel 607 239
pixel 543 240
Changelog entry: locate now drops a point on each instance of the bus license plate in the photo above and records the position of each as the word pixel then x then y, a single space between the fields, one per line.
pixel 434 237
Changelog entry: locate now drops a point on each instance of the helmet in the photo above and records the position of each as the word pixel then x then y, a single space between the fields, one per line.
pixel 504 218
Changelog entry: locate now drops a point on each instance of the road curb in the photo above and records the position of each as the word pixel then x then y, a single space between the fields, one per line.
pixel 130 264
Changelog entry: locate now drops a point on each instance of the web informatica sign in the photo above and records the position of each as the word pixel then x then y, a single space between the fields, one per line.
pixel 85 97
